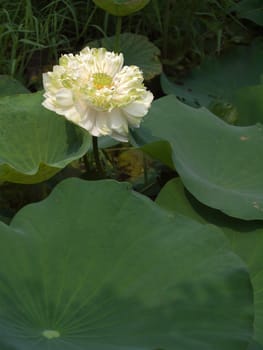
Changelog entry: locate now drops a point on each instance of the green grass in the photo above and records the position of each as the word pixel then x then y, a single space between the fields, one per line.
pixel 33 34
pixel 188 30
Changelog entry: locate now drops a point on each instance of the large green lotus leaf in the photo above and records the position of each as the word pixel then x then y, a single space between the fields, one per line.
pixel 96 266
pixel 137 50
pixel 246 107
pixel 250 9
pixel 160 150
pixel 155 148
pixel 191 95
pixel 34 142
pixel 218 78
pixel 255 346
pixel 220 164
pixel 249 103
pixel 249 247
pixel 246 240
pixel 10 86
pixel 121 7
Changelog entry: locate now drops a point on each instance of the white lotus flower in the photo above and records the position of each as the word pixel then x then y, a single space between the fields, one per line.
pixel 94 90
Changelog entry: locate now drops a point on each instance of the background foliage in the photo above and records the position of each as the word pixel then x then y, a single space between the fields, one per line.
pixel 33 34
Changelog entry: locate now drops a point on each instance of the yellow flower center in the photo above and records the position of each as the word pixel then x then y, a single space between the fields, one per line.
pixel 101 80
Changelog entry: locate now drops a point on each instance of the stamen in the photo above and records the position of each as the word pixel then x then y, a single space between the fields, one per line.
pixel 101 80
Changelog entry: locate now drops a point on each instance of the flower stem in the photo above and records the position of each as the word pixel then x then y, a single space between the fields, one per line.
pixel 117 34
pixel 96 154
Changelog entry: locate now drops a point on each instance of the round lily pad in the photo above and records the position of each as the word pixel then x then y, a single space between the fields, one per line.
pixel 98 267
pixel 220 164
pixel 34 142
pixel 246 239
